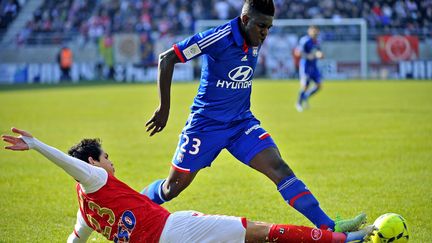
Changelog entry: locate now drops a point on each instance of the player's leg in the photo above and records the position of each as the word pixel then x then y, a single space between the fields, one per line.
pixel 164 190
pixel 284 233
pixel 296 193
pixel 257 149
pixel 313 90
pixel 192 154
pixel 265 232
pixel 316 77
pixel 304 83
pixel 197 148
pixel 191 226
pixel 293 233
pixel 292 189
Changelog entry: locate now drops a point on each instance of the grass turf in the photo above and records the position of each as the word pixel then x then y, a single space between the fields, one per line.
pixel 363 146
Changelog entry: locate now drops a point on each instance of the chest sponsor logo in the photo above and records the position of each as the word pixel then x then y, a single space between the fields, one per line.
pixel 241 74
pixel 241 78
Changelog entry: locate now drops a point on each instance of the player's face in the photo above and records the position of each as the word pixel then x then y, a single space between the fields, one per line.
pixel 257 27
pixel 105 163
pixel 313 32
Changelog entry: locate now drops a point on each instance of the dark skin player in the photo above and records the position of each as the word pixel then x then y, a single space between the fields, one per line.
pixel 255 27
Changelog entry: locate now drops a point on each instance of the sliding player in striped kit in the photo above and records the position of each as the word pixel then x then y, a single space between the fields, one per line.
pixel 121 214
pixel 221 116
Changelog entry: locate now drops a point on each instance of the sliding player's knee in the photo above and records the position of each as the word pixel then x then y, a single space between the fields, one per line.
pixel 257 231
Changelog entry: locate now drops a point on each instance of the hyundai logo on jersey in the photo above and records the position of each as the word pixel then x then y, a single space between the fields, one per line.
pixel 240 74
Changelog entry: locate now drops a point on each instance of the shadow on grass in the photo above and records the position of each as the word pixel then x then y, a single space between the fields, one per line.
pixel 18 87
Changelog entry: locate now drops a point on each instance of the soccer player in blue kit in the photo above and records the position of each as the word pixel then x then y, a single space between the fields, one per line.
pixel 220 114
pixel 310 50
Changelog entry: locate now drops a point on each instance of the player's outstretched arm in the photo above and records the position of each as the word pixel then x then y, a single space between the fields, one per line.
pixel 90 177
pixel 167 60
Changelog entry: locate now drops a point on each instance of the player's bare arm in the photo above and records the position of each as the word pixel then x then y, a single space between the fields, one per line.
pixel 167 60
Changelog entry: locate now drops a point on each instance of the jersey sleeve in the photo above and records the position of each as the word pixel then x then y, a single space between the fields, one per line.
pixel 90 177
pixel 211 42
pixel 81 230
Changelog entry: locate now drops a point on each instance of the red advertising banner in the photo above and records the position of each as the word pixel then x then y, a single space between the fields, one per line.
pixel 395 48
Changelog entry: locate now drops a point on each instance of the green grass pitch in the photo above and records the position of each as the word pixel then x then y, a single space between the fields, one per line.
pixel 363 146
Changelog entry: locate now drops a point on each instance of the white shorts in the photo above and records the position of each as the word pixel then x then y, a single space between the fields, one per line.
pixel 192 226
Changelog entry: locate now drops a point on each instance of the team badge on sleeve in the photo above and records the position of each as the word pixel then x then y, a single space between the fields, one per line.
pixel 192 51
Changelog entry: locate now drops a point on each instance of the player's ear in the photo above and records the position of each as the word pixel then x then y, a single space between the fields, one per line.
pixel 92 161
pixel 245 19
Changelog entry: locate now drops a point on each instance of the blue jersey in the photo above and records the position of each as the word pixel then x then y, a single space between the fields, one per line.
pixel 307 46
pixel 228 65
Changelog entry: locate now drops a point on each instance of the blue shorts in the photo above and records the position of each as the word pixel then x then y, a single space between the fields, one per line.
pixel 202 139
pixel 309 73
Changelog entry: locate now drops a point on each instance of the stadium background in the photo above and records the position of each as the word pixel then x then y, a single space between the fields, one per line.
pixel 127 36
pixel 372 138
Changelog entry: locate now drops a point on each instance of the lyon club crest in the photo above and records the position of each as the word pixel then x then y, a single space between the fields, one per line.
pixel 255 51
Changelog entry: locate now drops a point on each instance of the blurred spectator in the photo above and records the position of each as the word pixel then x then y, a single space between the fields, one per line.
pixel 8 11
pixel 65 61
pixel 25 33
pixel 147 55
pixel 94 19
pixel 222 9
pixel 107 57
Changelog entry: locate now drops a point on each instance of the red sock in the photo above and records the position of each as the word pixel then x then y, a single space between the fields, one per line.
pixel 291 233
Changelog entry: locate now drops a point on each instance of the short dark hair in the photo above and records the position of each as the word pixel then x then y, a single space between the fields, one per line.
pixel 88 147
pixel 263 6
